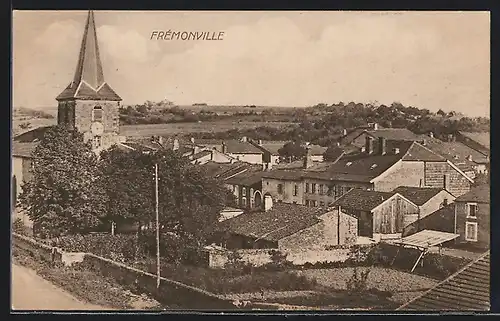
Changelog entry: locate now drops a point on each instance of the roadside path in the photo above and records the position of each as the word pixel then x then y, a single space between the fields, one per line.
pixel 29 291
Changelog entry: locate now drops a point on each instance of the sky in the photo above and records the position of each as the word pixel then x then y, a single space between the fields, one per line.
pixel 424 59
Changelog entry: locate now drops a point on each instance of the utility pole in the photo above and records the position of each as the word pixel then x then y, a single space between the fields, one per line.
pixel 157 229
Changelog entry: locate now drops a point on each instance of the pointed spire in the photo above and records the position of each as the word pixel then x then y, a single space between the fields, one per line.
pixel 89 67
pixel 88 82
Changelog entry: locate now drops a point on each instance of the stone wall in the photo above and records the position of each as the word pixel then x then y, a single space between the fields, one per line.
pixel 170 292
pixel 454 182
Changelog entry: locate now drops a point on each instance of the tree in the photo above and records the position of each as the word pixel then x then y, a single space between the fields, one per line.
pixel 62 197
pixel 441 113
pixel 190 200
pixel 128 181
pixel 292 151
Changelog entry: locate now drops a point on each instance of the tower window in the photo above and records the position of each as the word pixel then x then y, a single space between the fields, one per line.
pixel 97 113
pixel 97 141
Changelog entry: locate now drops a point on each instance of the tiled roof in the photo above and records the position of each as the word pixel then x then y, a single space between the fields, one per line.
pixel 88 82
pixel 480 194
pixel 456 152
pixel 224 170
pixel 23 149
pixel 273 146
pixel 233 146
pixel 239 147
pixel 483 138
pixel 32 136
pixel 466 290
pixel 280 221
pixel 418 152
pixel 418 195
pixel 201 154
pixel 317 150
pixel 363 200
pixel 395 134
pixel 250 177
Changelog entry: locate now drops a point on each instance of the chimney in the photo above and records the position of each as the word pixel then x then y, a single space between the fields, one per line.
pixel 192 140
pixel 344 132
pixel 469 158
pixel 308 158
pixel 224 148
pixel 375 126
pixel 431 134
pixel 382 145
pixel 260 142
pixel 369 145
pixel 244 139
pixel 396 151
pixel 176 144
pixel 268 202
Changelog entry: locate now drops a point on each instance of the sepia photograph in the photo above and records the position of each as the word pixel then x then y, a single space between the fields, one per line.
pixel 250 161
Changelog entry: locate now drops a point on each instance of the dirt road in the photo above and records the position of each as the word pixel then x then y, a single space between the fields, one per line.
pixel 31 292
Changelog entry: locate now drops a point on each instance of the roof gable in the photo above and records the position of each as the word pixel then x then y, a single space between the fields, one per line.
pixel 418 152
pixel 479 194
pixel 418 195
pixel 362 200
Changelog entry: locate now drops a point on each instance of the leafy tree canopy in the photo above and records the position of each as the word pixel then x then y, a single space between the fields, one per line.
pixel 63 197
pixel 292 151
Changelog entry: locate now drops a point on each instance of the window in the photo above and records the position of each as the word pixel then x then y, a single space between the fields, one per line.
pixel 313 188
pixel 244 202
pixel 97 113
pixel 294 202
pixel 280 188
pixel 337 191
pixel 313 203
pixel 307 202
pixel 295 190
pixel 471 209
pixel 97 141
pixel 307 187
pixel 471 231
pixel 321 189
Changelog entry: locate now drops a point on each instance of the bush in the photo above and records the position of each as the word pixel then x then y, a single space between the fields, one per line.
pixel 18 226
pixel 121 248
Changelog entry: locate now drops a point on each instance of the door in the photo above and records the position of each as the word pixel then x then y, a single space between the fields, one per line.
pixel 365 224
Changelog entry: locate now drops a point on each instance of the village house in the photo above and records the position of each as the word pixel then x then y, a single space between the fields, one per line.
pixel 468 159
pixel 381 215
pixel 376 132
pixel 427 199
pixel 271 150
pixel 441 220
pixel 247 187
pixel 472 217
pixel 241 150
pixel 382 166
pixel 287 226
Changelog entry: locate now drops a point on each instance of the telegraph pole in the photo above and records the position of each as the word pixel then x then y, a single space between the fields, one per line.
pixel 157 229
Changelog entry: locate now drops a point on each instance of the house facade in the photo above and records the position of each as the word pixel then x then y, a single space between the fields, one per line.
pixel 380 215
pixel 427 199
pixel 472 217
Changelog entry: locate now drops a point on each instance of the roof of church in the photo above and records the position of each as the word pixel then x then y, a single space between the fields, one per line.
pixel 88 82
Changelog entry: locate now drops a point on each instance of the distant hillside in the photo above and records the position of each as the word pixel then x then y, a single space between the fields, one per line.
pixel 25 119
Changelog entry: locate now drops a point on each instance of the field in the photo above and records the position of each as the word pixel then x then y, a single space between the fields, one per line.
pixel 186 128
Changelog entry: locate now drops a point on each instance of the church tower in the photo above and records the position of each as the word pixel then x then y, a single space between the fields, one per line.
pixel 88 103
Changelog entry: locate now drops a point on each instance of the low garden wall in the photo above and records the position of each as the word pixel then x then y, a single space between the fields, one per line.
pixel 170 292
pixel 218 257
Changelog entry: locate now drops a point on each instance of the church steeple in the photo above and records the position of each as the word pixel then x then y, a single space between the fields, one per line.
pixel 88 82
